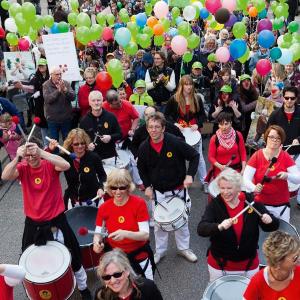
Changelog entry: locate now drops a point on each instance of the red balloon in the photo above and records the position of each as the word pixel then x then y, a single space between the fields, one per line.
pixel 213 5
pixel 2 33
pixel 103 81
pixel 107 34
pixel 263 67
pixel 23 44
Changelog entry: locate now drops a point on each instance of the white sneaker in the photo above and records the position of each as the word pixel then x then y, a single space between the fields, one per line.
pixel 188 254
pixel 158 257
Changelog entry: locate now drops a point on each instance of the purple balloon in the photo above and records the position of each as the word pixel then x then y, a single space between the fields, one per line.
pixel 264 24
pixel 231 21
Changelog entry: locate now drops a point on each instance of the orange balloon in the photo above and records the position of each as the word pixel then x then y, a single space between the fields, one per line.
pixel 253 11
pixel 152 21
pixel 158 29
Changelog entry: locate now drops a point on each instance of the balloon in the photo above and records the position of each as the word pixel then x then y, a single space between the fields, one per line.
pixel 10 25
pixel 143 40
pixel 96 32
pixel 245 57
pixel 72 17
pixel 5 5
pixel 189 13
pixel 222 15
pixel 253 12
pixel 213 5
pixel 175 12
pixel 12 39
pixel 184 29
pixel 197 5
pixel 28 10
pixel 158 29
pixel 131 48
pixel 107 34
pixel 83 19
pixel 124 18
pixel 179 20
pixel 173 32
pixel 114 66
pixel 229 4
pixel 293 26
pixel 14 8
pixel 286 57
pixel 48 21
pixel 2 33
pixel 266 38
pixel 161 9
pixel 264 24
pixel 275 53
pixel 82 34
pixel 103 81
pixel 149 31
pixel 263 67
pixel 141 19
pixel 23 44
pixel 159 40
pixel 123 36
pixel 287 37
pixel 63 27
pixel 101 19
pixel 263 14
pixel 32 34
pixel 110 18
pixel 237 48
pixel 295 48
pixel 223 54
pixel 232 20
pixel 37 22
pixel 187 57
pixel 74 5
pixel 239 30
pixel 179 44
pixel 259 5
pixel 148 9
pixel 54 29
pixel 193 41
pixel 165 24
pixel 278 23
pixel 204 13
pixel 219 26
pixel 133 28
pixel 152 21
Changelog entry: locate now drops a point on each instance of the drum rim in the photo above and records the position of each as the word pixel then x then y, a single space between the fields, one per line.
pixel 186 132
pixel 52 277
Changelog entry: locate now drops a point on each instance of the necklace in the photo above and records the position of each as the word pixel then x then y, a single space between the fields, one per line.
pixel 272 274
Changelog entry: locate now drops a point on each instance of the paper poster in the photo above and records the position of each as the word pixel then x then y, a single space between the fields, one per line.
pixel 61 52
pixel 19 66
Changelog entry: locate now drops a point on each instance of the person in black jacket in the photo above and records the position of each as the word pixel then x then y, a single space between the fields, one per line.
pixel 102 127
pixel 161 164
pixel 234 240
pixel 86 175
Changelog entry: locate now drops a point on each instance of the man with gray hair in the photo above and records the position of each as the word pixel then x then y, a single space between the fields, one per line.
pixel 58 96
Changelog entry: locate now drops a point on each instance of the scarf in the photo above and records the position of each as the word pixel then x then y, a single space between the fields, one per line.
pixel 226 140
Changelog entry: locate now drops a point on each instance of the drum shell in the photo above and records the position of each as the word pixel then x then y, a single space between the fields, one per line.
pixel 90 259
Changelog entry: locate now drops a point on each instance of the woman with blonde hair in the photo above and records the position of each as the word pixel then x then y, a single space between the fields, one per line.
pixel 86 175
pixel 121 282
pixel 126 218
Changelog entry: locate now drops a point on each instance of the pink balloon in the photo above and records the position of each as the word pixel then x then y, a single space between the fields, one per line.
pixel 263 67
pixel 23 44
pixel 213 5
pixel 264 24
pixel 161 9
pixel 223 54
pixel 179 44
pixel 229 4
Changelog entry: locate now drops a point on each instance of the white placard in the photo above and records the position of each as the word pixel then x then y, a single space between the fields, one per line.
pixel 60 52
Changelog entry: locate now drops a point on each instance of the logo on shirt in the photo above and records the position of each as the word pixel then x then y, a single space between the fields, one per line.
pixel 250 210
pixel 45 294
pixel 86 170
pixel 169 154
pixel 37 180
pixel 105 125
pixel 281 298
pixel 272 168
pixel 121 219
pixel 235 221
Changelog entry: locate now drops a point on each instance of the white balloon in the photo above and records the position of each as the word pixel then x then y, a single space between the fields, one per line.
pixel 280 40
pixel 286 57
pixel 198 4
pixel 189 13
pixel 10 25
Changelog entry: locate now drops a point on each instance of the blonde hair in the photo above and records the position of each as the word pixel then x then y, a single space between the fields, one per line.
pixel 91 71
pixel 78 133
pixel 5 118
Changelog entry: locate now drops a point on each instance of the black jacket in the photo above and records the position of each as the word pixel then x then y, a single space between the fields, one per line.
pixel 84 183
pixel 291 129
pixel 224 243
pixel 166 170
pixel 105 124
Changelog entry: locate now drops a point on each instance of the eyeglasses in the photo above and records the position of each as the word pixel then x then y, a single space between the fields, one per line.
pixel 30 156
pixel 77 144
pixel 121 188
pixel 290 98
pixel 154 127
pixel 115 275
pixel 274 138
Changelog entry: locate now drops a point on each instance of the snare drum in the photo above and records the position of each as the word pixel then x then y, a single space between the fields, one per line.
pixel 48 271
pixel 171 215
pixel 283 226
pixel 121 161
pixel 228 287
pixel 84 216
pixel 192 137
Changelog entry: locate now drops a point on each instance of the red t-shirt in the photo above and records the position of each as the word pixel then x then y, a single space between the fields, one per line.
pixel 157 146
pixel 289 116
pixel 125 115
pixel 42 192
pixel 258 288
pixel 6 291
pixel 124 217
pixel 275 192
pixel 181 118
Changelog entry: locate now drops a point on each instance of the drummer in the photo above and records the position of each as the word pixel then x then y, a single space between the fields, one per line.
pixel 185 109
pixel 86 175
pixel 38 171
pixel 233 248
pixel 280 279
pixel 269 180
pixel 102 127
pixel 126 219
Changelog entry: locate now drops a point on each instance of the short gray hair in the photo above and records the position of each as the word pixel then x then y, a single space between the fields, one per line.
pixel 95 95
pixel 232 176
pixel 54 69
pixel 111 96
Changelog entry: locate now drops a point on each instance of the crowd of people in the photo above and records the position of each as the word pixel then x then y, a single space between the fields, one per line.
pixel 148 132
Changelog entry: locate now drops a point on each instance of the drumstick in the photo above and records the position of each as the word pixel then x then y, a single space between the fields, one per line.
pixel 36 121
pixel 16 120
pixel 72 155
pixel 84 231
pixel 242 211
pixel 233 156
pixel 249 204
pixel 90 201
pixel 273 161
pixel 162 206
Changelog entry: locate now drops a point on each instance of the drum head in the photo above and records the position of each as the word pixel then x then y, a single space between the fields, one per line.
pixel 82 216
pixel 121 162
pixel 45 263
pixel 283 226
pixel 108 168
pixel 229 287
pixel 192 137
pixel 171 211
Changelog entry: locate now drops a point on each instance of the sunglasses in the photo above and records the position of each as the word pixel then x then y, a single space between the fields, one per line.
pixel 77 144
pixel 296 258
pixel 115 275
pixel 290 98
pixel 121 188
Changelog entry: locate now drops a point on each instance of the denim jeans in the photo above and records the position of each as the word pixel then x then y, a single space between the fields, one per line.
pixel 54 129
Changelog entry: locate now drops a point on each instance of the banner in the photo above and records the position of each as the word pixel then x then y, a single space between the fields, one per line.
pixel 60 52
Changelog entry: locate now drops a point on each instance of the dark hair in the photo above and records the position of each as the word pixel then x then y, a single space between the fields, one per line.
pixel 225 71
pixel 278 129
pixel 224 116
pixel 157 116
pixel 162 55
pixel 111 96
pixel 291 89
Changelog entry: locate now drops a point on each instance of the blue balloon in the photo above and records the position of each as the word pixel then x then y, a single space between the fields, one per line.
pixel 263 14
pixel 54 28
pixel 179 20
pixel 141 19
pixel 123 36
pixel 275 53
pixel 231 21
pixel 266 38
pixel 237 48
pixel 173 31
pixel 204 13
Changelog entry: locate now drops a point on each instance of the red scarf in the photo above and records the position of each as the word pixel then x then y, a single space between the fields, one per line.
pixel 226 140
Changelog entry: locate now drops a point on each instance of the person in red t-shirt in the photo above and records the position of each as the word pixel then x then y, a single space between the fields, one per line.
pixel 234 240
pixel 280 279
pixel 269 180
pixel 126 218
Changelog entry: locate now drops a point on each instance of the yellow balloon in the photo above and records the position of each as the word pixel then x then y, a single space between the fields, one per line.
pixel 192 1
pixel 132 19
pixel 219 26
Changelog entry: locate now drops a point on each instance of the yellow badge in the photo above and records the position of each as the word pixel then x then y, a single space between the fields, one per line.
pixel 272 168
pixel 121 219
pixel 169 154
pixel 45 294
pixel 250 210
pixel 235 221
pixel 281 298
pixel 86 170
pixel 105 125
pixel 37 180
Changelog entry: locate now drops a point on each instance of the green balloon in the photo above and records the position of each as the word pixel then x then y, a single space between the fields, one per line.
pixel 12 39
pixel 241 5
pixel 193 41
pixel 278 23
pixel 14 8
pixel 296 37
pixel 143 40
pixel 197 10
pixel 101 19
pixel 239 30
pixel 148 9
pixel 114 67
pixel 37 22
pixel 175 12
pixel 32 34
pixel 295 48
pixel 184 29
pixel 19 19
pixel 124 18
pixel 74 5
pixel 148 30
pixel 159 40
pixel 5 5
pixel 245 57
pixel 131 48
pixel 48 21
pixel 285 45
pixel 133 28
pixel 259 5
pixel 28 10
pixel 279 11
pixel 273 5
pixel 95 32
pixel 288 37
pixel 63 27
pixel 23 27
pixel 110 18
pixel 165 24
pixel 293 26
pixel 213 24
pixel 187 57
pixel 123 11
pixel 72 18
pixel 118 80
pixel 83 19
pixel 83 34
pixel 153 2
